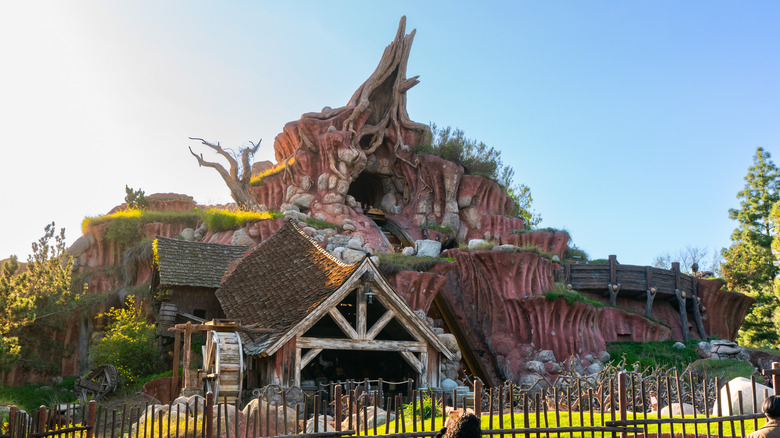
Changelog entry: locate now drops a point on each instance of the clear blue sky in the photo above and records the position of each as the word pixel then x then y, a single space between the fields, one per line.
pixel 633 123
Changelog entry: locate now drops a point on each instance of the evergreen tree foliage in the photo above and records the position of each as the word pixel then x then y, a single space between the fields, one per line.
pixel 477 158
pixel 39 298
pixel 749 265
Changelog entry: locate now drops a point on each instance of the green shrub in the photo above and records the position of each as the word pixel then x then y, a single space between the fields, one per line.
pixel 574 253
pixel 545 229
pixel 128 344
pixel 725 369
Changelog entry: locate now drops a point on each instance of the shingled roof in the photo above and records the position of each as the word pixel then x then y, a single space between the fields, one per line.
pixel 278 282
pixel 183 263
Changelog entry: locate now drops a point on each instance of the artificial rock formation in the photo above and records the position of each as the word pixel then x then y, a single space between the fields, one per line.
pixel 356 167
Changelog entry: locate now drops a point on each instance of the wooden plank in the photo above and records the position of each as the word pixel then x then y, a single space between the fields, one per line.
pixel 361 344
pixel 361 314
pixel 311 354
pixel 343 324
pixel 380 324
pixel 412 361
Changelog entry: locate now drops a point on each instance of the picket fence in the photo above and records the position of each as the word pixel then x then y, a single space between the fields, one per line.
pixel 625 405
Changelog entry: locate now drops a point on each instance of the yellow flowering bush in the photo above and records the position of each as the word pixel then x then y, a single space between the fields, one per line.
pixel 127 344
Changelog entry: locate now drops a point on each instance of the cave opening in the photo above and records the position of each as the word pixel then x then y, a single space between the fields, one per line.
pixel 367 190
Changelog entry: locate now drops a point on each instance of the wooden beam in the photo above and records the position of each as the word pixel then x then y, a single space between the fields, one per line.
pixel 297 364
pixel 187 354
pixel 306 358
pixel 342 322
pixel 683 313
pixel 649 303
pixel 379 325
pixel 412 361
pixel 613 269
pixel 176 355
pixel 361 314
pixel 696 311
pixel 361 344
pixel 613 293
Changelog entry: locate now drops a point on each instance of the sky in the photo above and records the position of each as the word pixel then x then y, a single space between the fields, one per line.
pixel 633 123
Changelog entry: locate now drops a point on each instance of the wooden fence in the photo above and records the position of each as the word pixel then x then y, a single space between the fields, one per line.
pixel 627 404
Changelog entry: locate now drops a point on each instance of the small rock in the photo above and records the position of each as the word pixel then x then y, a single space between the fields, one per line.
pixel 545 356
pixel 348 227
pixel 289 207
pixel 321 216
pixel 355 244
pixel 339 240
pixel 535 367
pixel 679 345
pixel 309 231
pixel 408 251
pixel 448 385
pixel 603 357
pixel 555 258
pixel 449 341
pixel 352 255
pixel 302 200
pixel 594 368
pixel 375 260
pixel 703 349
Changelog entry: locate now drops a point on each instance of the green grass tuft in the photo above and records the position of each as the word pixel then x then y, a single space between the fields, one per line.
pixel 571 296
pixel 654 354
pixel 393 263
pixel 320 224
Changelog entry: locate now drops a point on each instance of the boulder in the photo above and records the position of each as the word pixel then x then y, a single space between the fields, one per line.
pixel 686 410
pixel 322 422
pixel 408 251
pixel 427 248
pixel 352 255
pixel 477 243
pixel 241 238
pixel 448 385
pixel 737 385
pixel 703 350
pixel 188 234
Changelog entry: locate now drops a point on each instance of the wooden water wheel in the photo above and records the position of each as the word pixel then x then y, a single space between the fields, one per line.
pixel 222 365
pixel 97 384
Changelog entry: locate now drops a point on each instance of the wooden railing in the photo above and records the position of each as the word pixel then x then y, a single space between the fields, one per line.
pixel 639 282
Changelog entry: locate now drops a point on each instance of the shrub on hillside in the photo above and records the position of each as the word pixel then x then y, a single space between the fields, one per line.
pixel 127 344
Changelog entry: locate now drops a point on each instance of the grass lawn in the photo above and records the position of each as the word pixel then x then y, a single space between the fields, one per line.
pixel 564 420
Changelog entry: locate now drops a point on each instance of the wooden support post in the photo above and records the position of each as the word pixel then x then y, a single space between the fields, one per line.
pixel 775 373
pixel 12 421
pixel 696 311
pixel 41 426
pixel 176 357
pixel 187 355
pixel 681 302
pixel 91 418
pixel 209 412
pixel 649 303
pixel 613 293
pixel 337 413
pixel 623 399
pixel 478 397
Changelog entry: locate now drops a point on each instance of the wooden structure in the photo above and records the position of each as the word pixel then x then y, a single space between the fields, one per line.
pixel 318 305
pixel 185 277
pixel 640 282
pixel 222 358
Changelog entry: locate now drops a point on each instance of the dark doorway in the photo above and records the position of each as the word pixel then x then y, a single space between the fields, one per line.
pixel 367 190
pixel 340 365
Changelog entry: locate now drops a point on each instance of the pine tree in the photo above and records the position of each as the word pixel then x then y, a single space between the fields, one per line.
pixel 749 265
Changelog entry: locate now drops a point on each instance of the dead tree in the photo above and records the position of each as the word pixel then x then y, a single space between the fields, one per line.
pixel 239 177
pixel 382 97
